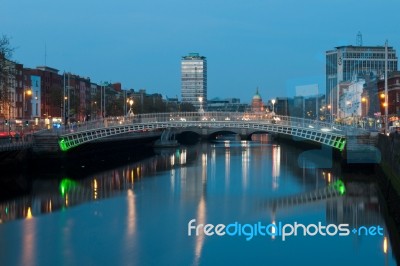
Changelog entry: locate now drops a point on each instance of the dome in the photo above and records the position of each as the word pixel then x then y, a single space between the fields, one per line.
pixel 257 96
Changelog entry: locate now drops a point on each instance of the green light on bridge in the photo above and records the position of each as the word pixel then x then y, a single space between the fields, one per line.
pixel 339 187
pixel 63 145
pixel 66 185
pixel 342 144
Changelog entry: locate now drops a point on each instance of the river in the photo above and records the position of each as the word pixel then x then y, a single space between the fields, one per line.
pixel 142 213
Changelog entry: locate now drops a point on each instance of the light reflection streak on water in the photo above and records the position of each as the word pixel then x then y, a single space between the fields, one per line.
pixel 183 157
pixel 204 168
pixel 227 166
pixel 95 189
pixel 245 167
pixel 200 219
pixel 213 163
pixel 131 222
pixel 28 240
pixel 276 166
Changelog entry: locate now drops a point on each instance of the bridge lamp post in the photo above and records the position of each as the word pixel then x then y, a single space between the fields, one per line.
pixel 201 110
pixel 273 105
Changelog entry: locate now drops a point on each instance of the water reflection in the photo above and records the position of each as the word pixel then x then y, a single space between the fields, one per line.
pixel 201 219
pixel 131 213
pixel 52 195
pixel 276 166
pixel 28 241
pixel 213 183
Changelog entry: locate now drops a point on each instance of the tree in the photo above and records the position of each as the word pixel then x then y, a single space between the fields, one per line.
pixel 6 52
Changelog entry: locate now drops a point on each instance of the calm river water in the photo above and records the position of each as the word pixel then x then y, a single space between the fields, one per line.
pixel 139 214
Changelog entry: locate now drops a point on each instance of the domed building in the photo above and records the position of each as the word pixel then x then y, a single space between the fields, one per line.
pixel 257 105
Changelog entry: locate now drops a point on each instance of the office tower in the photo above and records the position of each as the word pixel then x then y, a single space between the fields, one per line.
pixel 346 63
pixel 194 80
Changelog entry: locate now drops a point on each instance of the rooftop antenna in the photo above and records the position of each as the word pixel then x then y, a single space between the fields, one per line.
pixel 359 41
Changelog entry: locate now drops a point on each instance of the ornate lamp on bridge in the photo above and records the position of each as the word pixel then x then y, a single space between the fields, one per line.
pixel 273 105
pixel 201 110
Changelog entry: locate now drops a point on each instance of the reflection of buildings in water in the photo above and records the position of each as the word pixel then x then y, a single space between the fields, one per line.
pixel 305 172
pixel 262 137
pixel 49 198
pixel 359 206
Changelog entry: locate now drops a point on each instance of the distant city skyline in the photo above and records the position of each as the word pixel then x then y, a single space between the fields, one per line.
pixel 272 45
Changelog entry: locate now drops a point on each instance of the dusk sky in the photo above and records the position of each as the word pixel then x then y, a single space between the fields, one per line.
pixel 272 44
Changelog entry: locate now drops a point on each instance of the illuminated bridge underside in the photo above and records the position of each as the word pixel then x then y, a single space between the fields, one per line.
pixel 331 139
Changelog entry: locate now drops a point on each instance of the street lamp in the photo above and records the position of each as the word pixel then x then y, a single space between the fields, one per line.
pixel 130 112
pixel 273 105
pixel 27 93
pixel 364 102
pixel 201 105
pixel 329 111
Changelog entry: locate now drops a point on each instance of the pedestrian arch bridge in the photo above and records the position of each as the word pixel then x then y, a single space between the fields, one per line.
pixel 204 123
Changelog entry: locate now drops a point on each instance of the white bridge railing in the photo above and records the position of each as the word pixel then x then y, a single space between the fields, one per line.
pixel 211 117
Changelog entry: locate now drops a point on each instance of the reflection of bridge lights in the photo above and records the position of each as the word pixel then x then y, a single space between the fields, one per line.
pixel 183 157
pixel 226 143
pixel 172 159
pixel 227 165
pixel 276 166
pixel 273 229
pixel 131 212
pixel 385 245
pixel 66 185
pixel 204 159
pixel 339 187
pixel 329 177
pixel 245 166
pixel 66 200
pixel 244 143
pixel 29 213
pixel 95 189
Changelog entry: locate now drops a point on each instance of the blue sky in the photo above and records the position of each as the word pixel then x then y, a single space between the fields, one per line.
pixel 272 44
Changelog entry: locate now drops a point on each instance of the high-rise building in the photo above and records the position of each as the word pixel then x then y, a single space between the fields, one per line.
pixel 194 80
pixel 345 63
